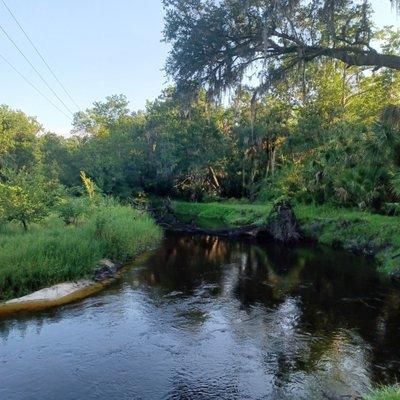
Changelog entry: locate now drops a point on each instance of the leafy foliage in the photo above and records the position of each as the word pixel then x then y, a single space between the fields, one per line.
pixel 27 197
pixel 219 43
pixel 18 143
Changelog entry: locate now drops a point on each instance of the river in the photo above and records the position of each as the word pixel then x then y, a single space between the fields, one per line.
pixel 209 318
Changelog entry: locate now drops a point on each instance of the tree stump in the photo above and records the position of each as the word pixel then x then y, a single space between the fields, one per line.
pixel 282 223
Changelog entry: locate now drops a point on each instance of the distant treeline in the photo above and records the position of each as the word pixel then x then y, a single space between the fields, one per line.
pixel 332 138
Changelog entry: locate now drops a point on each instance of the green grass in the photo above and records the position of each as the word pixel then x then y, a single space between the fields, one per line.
pixel 52 252
pixel 385 393
pixel 363 232
pixel 370 234
pixel 221 215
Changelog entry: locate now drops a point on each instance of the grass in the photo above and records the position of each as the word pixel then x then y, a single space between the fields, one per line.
pixel 385 393
pixel 221 215
pixel 52 252
pixel 358 231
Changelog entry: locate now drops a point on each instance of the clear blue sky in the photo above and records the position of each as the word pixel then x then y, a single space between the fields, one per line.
pixel 96 47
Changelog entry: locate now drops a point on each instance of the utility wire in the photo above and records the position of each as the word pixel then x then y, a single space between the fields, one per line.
pixel 34 68
pixel 35 87
pixel 40 54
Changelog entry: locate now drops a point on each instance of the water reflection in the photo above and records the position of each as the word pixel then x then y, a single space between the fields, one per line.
pixel 209 318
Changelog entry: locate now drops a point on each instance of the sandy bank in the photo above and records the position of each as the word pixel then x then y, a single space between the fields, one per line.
pixel 63 293
pixel 54 292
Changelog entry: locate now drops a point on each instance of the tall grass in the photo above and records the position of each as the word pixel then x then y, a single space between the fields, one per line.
pixel 54 252
pixel 385 393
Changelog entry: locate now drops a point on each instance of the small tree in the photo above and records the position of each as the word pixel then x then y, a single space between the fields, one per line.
pixel 27 198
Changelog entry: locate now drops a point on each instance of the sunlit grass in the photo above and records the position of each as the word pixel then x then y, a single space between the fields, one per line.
pixel 218 215
pixel 372 234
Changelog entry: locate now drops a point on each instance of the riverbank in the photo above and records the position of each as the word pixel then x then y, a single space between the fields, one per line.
pixel 53 252
pixel 53 296
pixel 356 231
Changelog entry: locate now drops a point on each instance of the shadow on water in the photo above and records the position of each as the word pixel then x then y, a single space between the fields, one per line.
pixel 204 317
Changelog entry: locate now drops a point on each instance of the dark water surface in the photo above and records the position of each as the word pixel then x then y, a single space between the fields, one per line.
pixel 207 318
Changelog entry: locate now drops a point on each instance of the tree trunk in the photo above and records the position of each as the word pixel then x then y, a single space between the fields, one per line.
pixel 243 178
pixel 348 54
pixel 343 96
pixel 282 223
pixel 214 177
pixel 272 160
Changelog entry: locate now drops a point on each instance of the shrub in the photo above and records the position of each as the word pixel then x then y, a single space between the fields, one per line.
pixel 72 209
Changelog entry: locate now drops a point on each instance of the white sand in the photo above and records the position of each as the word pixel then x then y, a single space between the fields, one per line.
pixel 54 292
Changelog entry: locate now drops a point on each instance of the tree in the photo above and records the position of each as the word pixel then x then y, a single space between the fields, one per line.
pixel 184 145
pixel 99 119
pixel 59 158
pixel 215 43
pixel 26 197
pixel 18 139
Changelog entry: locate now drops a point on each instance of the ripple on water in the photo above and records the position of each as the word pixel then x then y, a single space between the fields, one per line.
pixel 206 318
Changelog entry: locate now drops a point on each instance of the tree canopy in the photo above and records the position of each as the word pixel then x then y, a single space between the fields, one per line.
pixel 216 43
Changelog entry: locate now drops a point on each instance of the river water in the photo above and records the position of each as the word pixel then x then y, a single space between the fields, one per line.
pixel 208 318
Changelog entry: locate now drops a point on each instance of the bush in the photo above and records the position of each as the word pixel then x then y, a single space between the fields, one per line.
pixel 73 209
pixel 391 209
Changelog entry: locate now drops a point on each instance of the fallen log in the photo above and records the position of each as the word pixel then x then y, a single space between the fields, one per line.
pixel 249 230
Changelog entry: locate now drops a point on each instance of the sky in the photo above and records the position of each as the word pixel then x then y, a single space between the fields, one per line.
pixel 96 48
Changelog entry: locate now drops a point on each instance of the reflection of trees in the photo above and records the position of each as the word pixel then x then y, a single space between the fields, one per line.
pixel 23 321
pixel 345 295
pixel 336 363
pixel 335 290
pixel 384 339
pixel 314 319
pixel 261 280
pixel 337 293
pixel 186 262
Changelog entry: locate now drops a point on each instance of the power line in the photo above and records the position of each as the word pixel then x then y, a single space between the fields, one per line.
pixel 34 68
pixel 40 54
pixel 35 87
